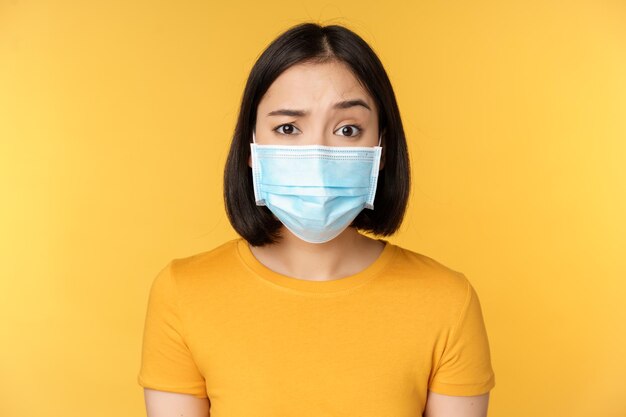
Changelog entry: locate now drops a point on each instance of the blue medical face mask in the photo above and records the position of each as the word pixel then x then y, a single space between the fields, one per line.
pixel 316 191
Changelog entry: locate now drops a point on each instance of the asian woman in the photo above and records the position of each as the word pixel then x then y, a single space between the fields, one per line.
pixel 304 314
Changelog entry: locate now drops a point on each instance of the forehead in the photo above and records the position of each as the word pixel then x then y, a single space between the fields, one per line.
pixel 309 84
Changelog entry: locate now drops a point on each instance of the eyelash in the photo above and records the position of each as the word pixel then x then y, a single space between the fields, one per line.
pixel 358 127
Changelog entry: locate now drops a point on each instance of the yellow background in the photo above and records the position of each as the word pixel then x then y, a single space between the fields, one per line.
pixel 115 121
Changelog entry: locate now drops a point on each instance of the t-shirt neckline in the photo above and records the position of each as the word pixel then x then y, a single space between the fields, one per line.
pixel 309 286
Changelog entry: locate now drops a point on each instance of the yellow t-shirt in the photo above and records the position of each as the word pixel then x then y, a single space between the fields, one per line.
pixel 222 325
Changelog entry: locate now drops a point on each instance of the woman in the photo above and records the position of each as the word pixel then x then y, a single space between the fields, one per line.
pixel 303 315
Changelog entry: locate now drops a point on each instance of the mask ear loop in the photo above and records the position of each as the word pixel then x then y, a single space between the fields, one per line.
pixel 253 136
pixel 380 138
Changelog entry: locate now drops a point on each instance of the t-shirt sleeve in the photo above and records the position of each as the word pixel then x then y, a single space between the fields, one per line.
pixel 465 366
pixel 166 361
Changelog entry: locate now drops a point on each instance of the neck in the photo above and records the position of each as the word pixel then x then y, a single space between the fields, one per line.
pixel 347 254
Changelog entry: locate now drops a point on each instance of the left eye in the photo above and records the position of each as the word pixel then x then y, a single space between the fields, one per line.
pixel 345 130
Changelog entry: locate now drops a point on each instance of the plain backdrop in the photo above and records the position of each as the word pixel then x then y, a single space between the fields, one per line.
pixel 115 122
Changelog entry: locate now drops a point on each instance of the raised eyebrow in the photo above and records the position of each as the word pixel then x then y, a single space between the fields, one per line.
pixel 339 105
pixel 351 103
pixel 288 112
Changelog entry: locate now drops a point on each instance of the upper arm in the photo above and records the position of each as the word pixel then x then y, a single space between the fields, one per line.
pixel 168 404
pixel 168 368
pixel 439 405
pixel 463 368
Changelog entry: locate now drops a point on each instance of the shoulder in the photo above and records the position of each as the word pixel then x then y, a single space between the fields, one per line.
pixel 202 266
pixel 428 269
pixel 200 261
pixel 432 279
pixel 446 293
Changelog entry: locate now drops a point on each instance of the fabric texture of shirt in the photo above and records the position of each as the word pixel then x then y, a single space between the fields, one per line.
pixel 222 325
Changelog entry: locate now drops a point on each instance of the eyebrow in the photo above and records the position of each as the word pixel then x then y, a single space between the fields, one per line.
pixel 346 104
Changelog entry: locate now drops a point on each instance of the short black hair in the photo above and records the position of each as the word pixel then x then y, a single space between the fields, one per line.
pixel 312 42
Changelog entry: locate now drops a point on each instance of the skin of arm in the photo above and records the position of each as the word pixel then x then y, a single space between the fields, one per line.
pixel 439 405
pixel 168 404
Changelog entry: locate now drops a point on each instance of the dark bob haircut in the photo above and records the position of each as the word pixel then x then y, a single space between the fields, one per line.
pixel 313 43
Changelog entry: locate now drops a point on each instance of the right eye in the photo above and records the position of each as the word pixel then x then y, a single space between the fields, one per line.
pixel 290 127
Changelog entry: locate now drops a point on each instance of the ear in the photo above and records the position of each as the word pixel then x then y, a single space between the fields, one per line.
pixel 250 161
